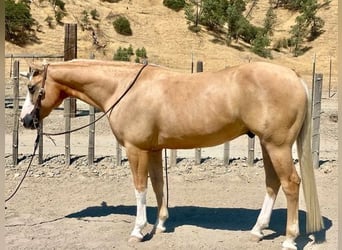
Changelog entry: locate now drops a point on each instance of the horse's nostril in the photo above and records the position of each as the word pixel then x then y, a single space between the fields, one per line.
pixel 27 121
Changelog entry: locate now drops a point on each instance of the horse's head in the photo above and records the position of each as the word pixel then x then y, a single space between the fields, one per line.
pixel 39 102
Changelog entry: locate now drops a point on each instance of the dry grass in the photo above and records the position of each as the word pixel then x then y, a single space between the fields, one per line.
pixel 165 35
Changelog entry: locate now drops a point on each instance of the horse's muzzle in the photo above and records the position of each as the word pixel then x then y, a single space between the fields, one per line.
pixel 29 121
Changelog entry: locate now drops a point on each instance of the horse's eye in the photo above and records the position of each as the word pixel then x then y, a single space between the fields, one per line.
pixel 35 72
pixel 31 89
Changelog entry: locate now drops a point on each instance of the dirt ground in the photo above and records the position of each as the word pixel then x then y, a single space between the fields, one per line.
pixel 211 206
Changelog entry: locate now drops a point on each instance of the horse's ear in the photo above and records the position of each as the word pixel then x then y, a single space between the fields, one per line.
pixel 36 68
pixel 25 74
pixel 45 62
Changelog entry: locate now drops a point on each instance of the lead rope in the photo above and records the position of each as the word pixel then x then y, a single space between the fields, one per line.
pixel 166 179
pixel 24 176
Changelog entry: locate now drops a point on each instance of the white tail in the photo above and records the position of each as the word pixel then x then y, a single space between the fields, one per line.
pixel 314 220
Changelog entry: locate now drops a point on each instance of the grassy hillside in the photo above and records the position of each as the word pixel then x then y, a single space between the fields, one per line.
pixel 165 35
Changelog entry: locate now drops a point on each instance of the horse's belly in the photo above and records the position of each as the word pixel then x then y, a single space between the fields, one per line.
pixel 206 137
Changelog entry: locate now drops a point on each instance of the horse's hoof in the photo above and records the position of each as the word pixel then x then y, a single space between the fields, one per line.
pixel 160 230
pixel 134 239
pixel 289 248
pixel 289 245
pixel 256 237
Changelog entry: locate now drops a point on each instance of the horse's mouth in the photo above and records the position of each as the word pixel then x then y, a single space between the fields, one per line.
pixel 28 122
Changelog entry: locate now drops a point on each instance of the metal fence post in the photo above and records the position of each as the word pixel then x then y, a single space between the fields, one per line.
pixel 173 158
pixel 70 52
pixel 317 96
pixel 91 144
pixel 15 79
pixel 199 68
pixel 251 147
pixel 226 147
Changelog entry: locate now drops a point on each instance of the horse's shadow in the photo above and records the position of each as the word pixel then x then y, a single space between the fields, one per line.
pixel 235 219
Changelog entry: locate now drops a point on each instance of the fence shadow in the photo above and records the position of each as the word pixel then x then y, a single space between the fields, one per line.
pixel 235 219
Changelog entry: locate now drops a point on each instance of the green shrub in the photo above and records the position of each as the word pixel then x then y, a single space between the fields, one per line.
pixel 260 44
pixel 60 11
pixel 94 14
pixel 122 26
pixel 59 16
pixel 141 55
pixel 123 54
pixel 85 17
pixel 18 22
pixel 175 5
pixel 247 31
pixel 60 4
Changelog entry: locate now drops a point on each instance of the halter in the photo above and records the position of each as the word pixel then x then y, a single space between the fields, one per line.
pixel 38 104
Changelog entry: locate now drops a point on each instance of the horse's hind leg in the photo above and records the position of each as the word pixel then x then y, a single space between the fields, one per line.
pixel 282 162
pixel 156 176
pixel 272 188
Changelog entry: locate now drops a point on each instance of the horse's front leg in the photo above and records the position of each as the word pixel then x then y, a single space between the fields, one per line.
pixel 139 167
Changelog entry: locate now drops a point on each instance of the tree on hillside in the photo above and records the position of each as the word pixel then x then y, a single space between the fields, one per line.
pixel 260 45
pixel 270 21
pixel 299 32
pixel 308 25
pixel 261 42
pixel 235 19
pixel 58 3
pixel 213 13
pixel 18 22
pixel 313 22
pixel 59 9
pixel 192 10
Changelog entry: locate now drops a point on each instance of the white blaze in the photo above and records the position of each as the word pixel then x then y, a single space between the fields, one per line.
pixel 27 107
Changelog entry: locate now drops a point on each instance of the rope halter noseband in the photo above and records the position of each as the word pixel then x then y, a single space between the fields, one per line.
pixel 41 94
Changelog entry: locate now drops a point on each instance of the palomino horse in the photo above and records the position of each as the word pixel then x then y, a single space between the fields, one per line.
pixel 156 108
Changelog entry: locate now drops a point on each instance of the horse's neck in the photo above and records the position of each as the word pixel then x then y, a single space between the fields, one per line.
pixel 95 85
